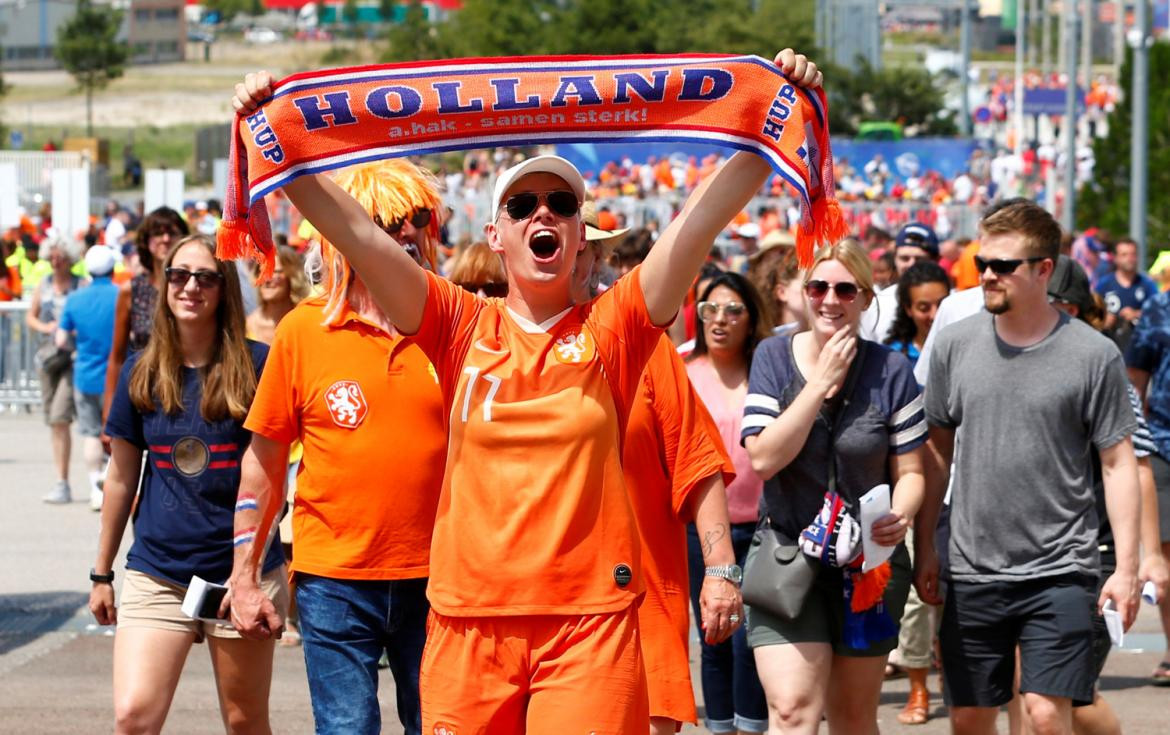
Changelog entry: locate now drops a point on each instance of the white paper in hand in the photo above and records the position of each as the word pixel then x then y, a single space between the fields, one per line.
pixel 1113 623
pixel 872 506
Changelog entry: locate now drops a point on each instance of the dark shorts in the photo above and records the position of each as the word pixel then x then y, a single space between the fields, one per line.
pixel 1051 619
pixel 1161 469
pixel 823 618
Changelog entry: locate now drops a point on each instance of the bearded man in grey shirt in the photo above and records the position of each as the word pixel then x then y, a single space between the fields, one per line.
pixel 1035 392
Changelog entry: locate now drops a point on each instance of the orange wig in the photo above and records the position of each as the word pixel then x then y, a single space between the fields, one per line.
pixel 389 191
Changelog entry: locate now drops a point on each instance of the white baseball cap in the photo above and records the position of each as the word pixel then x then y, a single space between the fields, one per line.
pixel 554 165
pixel 99 260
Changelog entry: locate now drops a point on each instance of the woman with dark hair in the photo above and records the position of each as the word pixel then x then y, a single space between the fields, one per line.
pixel 920 290
pixel 731 321
pixel 134 312
pixel 182 400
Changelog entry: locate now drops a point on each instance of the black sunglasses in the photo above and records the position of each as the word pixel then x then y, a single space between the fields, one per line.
pixel 846 292
pixel 203 279
pixel 562 203
pixel 419 220
pixel 1004 266
pixel 491 289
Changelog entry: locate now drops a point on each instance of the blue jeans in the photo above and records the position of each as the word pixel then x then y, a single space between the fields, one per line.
pixel 346 624
pixel 732 693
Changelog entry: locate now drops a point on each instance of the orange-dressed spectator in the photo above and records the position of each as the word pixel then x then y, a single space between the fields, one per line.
pixel 963 272
pixel 535 560
pixel 365 404
pixel 675 468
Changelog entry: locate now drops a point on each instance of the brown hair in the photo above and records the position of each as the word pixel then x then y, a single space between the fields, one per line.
pixel 1028 219
pixel 159 221
pixel 293 266
pixel 478 265
pixel 229 380
pixel 773 268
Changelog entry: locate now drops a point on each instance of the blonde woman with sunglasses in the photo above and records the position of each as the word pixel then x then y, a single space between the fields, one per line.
pixel 800 420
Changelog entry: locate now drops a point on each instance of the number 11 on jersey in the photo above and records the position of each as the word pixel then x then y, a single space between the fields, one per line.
pixel 473 376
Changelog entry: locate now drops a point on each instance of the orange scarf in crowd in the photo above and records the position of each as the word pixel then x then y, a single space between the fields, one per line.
pixel 320 121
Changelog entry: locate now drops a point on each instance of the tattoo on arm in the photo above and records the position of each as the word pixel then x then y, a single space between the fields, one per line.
pixel 711 537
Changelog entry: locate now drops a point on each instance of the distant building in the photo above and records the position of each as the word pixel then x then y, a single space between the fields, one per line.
pixel 155 29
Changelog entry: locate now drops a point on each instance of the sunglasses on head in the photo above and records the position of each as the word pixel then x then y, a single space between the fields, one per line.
pixel 708 310
pixel 179 277
pixel 419 220
pixel 490 289
pixel 846 291
pixel 1003 266
pixel 561 203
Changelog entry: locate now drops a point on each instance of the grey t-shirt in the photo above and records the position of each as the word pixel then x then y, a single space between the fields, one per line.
pixel 1022 503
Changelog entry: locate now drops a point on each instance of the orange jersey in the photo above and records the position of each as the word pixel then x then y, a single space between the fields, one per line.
pixel 672 444
pixel 368 410
pixel 534 517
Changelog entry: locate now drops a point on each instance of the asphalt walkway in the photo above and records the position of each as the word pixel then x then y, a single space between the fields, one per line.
pixel 56 665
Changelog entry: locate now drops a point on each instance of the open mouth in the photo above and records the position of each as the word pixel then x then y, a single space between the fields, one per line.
pixel 544 245
pixel 412 250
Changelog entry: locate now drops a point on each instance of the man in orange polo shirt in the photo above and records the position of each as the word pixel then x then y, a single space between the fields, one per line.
pixel 675 469
pixel 366 405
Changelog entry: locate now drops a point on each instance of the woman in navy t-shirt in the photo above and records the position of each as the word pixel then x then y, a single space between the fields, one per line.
pixel 182 401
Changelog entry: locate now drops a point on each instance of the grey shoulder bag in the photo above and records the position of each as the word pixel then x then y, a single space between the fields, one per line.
pixel 778 576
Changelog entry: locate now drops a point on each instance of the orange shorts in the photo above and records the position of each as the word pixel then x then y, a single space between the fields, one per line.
pixel 562 674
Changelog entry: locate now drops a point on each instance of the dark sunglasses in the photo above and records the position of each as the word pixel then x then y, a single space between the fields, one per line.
pixel 419 220
pixel 491 289
pixel 203 279
pixel 846 292
pixel 562 203
pixel 1003 266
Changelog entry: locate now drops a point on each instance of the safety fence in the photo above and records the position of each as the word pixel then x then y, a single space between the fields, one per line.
pixel 19 383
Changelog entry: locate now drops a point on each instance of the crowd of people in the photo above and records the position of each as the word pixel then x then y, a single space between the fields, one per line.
pixel 520 473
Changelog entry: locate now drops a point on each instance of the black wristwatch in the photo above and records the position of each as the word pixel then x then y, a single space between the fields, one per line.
pixel 106 578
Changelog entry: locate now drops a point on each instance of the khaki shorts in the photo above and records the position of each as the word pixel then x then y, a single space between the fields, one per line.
pixel 57 397
pixel 150 602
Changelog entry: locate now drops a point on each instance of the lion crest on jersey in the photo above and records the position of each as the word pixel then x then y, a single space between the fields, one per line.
pixel 347 405
pixel 574 347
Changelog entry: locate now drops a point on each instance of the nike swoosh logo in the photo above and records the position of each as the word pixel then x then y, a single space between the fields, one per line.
pixel 479 345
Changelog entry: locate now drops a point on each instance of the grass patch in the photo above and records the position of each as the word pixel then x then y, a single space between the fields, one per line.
pixel 170 147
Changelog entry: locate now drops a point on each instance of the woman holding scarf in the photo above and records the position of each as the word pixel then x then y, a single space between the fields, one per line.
pixel 817 399
pixel 538 390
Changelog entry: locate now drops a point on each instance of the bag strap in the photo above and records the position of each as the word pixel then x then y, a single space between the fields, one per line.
pixel 851 379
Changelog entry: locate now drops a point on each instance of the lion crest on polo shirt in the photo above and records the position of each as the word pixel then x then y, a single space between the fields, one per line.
pixel 347 405
pixel 573 347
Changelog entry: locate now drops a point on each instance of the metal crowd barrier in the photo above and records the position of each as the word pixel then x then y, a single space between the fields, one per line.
pixel 19 383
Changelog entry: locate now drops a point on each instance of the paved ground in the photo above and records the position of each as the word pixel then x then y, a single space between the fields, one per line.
pixel 56 667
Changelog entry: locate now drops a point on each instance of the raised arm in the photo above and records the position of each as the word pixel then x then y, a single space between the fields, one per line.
pixel 678 254
pixel 397 283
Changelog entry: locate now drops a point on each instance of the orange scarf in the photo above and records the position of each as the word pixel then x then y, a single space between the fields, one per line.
pixel 325 120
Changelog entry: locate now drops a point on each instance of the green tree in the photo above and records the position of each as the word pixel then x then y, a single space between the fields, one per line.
pixel 505 28
pixel 1104 201
pixel 89 49
pixel 386 10
pixel 415 38
pixel 349 14
pixel 906 95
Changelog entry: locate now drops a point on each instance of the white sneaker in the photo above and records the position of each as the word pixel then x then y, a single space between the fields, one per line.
pixel 60 494
pixel 95 499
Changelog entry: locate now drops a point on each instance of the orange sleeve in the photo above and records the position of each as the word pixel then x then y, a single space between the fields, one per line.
pixel 445 333
pixel 626 337
pixel 692 447
pixel 275 411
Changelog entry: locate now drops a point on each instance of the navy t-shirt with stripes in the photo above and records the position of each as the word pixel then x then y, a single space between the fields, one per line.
pixel 183 525
pixel 884 418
